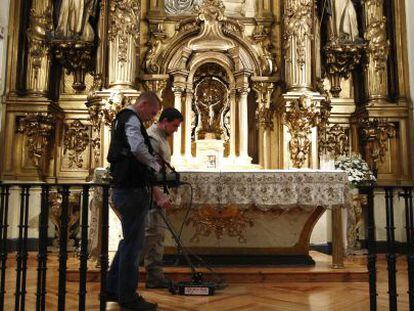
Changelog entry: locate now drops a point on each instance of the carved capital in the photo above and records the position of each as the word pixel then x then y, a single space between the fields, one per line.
pixel 124 24
pixel 75 142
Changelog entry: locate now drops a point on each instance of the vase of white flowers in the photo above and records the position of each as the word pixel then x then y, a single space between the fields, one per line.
pixel 357 169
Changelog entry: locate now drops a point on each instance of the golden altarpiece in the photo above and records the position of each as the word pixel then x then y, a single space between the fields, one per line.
pixel 262 84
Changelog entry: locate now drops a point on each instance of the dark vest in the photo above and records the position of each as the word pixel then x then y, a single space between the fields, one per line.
pixel 126 170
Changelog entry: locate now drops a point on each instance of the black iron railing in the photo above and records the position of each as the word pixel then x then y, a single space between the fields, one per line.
pixel 26 206
pixel 405 192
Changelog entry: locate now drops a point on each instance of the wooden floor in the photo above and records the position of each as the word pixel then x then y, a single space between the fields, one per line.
pixel 258 296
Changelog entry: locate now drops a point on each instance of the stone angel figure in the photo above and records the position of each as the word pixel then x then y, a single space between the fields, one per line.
pixel 73 19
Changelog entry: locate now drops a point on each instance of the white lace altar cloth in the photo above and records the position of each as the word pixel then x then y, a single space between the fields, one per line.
pixel 264 189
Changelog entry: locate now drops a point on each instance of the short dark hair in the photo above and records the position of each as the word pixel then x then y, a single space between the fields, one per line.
pixel 170 114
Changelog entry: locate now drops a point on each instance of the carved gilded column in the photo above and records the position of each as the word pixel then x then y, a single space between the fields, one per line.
pixel 178 91
pixel 264 116
pixel 37 80
pixel 377 50
pixel 123 35
pixel 243 124
pixel 297 36
pixel 233 124
pixel 188 120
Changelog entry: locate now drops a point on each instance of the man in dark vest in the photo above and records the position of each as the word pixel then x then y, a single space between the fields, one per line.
pixel 131 158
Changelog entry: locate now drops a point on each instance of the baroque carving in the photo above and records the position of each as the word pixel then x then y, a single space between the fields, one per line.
pixel 125 18
pixel 337 141
pixel 261 39
pixel 75 142
pixel 265 110
pixel 211 98
pixel 378 44
pixel 298 26
pixel 340 60
pixel 77 57
pixel 114 104
pixel 38 128
pixel 300 116
pixel 156 45
pixel 229 219
pixel 374 137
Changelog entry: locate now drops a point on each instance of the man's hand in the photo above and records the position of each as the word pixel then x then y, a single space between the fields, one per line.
pixel 162 199
pixel 166 204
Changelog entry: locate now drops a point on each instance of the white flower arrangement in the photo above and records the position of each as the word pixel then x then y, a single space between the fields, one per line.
pixel 357 169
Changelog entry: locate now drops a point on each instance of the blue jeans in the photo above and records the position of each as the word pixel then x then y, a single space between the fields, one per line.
pixel 122 277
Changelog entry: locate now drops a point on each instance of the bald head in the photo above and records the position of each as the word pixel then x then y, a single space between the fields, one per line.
pixel 147 106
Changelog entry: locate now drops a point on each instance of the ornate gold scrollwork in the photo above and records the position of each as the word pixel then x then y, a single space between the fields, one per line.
pixel 332 140
pixel 374 136
pixel 125 18
pixel 265 110
pixel 93 104
pixel 38 128
pixel 298 25
pixel 76 57
pixel 156 47
pixel 230 220
pixel 261 38
pixel 378 44
pixel 300 116
pixel 114 104
pixel 340 60
pixel 76 141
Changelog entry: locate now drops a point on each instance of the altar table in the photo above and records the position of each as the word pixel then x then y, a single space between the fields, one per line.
pixel 260 212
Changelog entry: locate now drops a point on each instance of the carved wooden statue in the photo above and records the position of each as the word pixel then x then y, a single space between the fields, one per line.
pixel 343 22
pixel 73 22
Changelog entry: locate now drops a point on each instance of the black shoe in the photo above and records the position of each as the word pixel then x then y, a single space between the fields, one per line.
pixel 138 304
pixel 112 297
pixel 158 283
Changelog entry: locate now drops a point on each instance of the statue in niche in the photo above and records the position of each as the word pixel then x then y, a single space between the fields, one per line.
pixel 211 100
pixel 342 20
pixel 73 20
pixel 177 7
